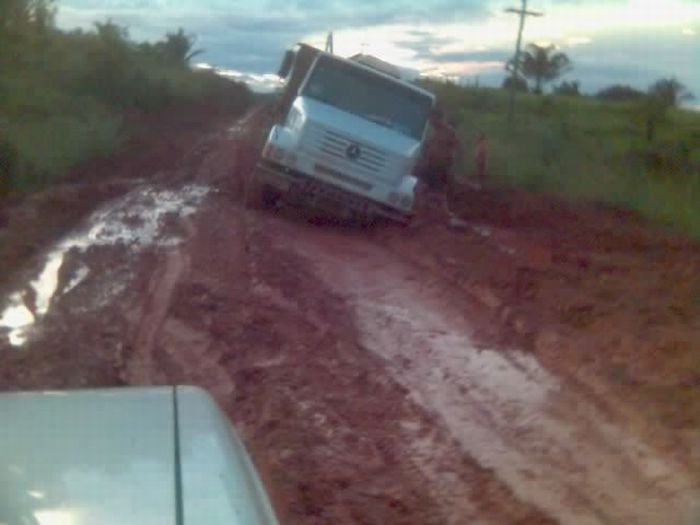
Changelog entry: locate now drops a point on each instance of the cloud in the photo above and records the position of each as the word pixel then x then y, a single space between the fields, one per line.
pixel 313 15
pixel 499 56
pixel 265 83
pixel 422 43
pixel 639 61
pixel 456 37
pixel 247 37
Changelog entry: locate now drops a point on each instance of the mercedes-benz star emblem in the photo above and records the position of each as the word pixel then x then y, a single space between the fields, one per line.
pixel 353 151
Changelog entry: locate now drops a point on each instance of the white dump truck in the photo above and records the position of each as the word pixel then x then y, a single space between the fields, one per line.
pixel 347 136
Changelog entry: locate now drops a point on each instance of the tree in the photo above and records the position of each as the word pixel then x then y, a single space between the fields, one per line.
pixel 111 34
pixel 568 89
pixel 620 93
pixel 542 64
pixel 110 67
pixel 670 92
pixel 517 83
pixel 23 24
pixel 16 15
pixel 177 48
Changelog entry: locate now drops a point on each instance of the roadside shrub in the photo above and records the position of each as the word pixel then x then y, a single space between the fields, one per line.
pixel 50 146
pixel 567 89
pixel 63 95
pixel 517 83
pixel 620 93
pixel 223 92
pixel 8 166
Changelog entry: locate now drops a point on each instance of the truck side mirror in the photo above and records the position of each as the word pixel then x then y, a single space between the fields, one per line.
pixel 286 65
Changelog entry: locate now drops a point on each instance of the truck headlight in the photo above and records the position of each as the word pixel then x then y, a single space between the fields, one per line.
pixel 400 200
pixel 273 152
pixel 276 153
pixel 293 118
pixel 280 155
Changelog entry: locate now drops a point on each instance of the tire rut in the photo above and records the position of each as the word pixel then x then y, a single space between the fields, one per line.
pixel 254 325
pixel 550 446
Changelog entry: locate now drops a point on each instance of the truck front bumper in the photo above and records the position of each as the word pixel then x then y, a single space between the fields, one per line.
pixel 299 188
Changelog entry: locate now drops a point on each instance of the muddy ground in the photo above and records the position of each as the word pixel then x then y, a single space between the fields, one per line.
pixel 539 365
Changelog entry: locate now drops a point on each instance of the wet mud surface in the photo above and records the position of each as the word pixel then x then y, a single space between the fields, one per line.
pixel 537 365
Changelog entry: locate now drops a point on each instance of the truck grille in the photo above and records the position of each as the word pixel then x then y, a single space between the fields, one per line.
pixel 330 148
pixel 337 146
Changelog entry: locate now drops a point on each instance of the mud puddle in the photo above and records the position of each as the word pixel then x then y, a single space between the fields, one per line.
pixel 135 221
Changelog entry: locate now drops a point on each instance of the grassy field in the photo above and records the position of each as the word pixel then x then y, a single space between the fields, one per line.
pixel 66 98
pixel 582 148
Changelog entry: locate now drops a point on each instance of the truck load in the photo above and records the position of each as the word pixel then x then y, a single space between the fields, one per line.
pixel 346 137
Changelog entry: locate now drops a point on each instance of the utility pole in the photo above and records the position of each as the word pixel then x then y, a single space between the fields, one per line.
pixel 329 43
pixel 523 12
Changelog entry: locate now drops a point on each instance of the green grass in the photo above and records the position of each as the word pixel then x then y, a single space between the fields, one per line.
pixel 64 96
pixel 584 149
pixel 50 146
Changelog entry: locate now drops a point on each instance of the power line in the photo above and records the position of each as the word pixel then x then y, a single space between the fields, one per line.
pixel 524 13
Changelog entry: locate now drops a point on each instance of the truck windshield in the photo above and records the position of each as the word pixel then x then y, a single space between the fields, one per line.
pixel 369 96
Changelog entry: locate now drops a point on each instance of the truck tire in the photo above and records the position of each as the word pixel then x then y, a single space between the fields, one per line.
pixel 258 196
pixel 270 197
pixel 405 220
pixel 253 192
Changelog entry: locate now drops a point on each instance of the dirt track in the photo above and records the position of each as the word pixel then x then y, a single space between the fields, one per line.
pixel 540 366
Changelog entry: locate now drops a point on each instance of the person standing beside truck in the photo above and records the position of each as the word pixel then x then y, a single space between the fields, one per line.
pixel 435 169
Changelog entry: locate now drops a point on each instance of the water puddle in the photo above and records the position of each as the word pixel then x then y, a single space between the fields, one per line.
pixel 15 318
pixel 80 275
pixel 483 231
pixel 235 131
pixel 134 221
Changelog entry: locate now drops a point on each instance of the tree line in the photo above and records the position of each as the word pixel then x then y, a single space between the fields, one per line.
pixel 544 64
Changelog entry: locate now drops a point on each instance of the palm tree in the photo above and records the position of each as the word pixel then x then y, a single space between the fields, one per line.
pixel 670 91
pixel 178 47
pixel 542 64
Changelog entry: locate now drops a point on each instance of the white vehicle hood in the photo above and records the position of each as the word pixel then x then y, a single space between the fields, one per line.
pixel 111 457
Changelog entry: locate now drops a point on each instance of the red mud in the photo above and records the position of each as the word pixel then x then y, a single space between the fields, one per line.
pixel 538 366
pixel 165 145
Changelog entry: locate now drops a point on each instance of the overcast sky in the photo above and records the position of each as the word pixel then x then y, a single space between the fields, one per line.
pixel 609 41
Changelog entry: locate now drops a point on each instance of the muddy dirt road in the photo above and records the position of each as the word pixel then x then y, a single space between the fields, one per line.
pixel 510 372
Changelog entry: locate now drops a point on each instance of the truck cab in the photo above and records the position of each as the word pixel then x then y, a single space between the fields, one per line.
pixel 347 137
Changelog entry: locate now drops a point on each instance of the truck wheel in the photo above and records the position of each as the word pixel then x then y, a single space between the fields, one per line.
pixel 269 197
pixel 406 219
pixel 253 193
